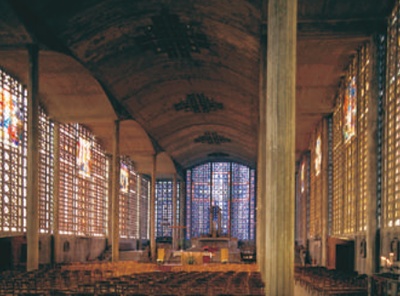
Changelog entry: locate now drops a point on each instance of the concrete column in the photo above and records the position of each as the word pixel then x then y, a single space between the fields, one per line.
pixel 261 162
pixel 280 148
pixel 372 117
pixel 115 194
pixel 324 198
pixel 139 195
pixel 32 202
pixel 56 194
pixel 174 213
pixel 153 211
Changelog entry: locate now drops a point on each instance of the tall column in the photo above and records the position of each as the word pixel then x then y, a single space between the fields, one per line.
pixel 280 148
pixel 182 214
pixel 115 194
pixel 261 163
pixel 32 202
pixel 372 118
pixel 56 194
pixel 139 195
pixel 153 210
pixel 325 192
pixel 174 212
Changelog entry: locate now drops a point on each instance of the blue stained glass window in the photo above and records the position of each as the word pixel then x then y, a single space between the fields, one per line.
pixel 188 203
pixel 229 186
pixel 164 207
pixel 221 172
pixel 240 201
pixel 200 218
pixel 252 221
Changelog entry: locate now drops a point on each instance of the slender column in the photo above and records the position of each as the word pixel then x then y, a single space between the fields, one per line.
pixel 174 212
pixel 139 195
pixel 372 118
pixel 56 194
pixel 261 161
pixel 324 198
pixel 153 210
pixel 280 147
pixel 115 194
pixel 32 203
pixel 182 214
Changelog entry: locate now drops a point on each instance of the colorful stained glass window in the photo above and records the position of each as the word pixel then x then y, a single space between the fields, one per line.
pixel 350 108
pixel 350 154
pixel 12 116
pixel 13 149
pixel 318 156
pixel 124 178
pixel 128 200
pixel 84 157
pixel 228 188
pixel 82 201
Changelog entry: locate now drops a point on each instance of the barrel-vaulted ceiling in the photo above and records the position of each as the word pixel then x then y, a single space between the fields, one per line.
pixel 187 71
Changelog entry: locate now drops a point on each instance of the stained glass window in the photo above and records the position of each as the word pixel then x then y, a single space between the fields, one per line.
pixel 302 193
pixel 221 179
pixel 318 156
pixel 201 200
pixel 391 136
pixel 46 168
pixel 164 207
pixel 83 183
pixel 13 147
pixel 350 153
pixel 240 201
pixel 229 187
pixel 128 200
pixel 144 207
pixel 350 108
pixel 316 185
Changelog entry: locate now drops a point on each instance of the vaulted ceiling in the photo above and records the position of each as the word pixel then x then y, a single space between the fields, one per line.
pixel 182 75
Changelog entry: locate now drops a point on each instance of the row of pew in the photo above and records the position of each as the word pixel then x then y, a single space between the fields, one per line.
pixel 110 279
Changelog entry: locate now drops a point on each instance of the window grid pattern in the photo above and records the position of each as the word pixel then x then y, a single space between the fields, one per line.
pixel 338 161
pixel 144 208
pixel 13 154
pixel 316 186
pixel 128 200
pixel 46 168
pixel 330 173
pixel 303 193
pixel 252 222
pixel 391 141
pixel 201 193
pixel 221 184
pixel 188 203
pixel 240 201
pixel 164 192
pixel 240 197
pixel 380 130
pixel 83 183
pixel 362 136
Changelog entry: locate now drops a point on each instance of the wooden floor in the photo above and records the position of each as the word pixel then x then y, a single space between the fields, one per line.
pixel 132 278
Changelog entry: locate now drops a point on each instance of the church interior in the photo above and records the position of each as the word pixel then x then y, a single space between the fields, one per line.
pixel 186 147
